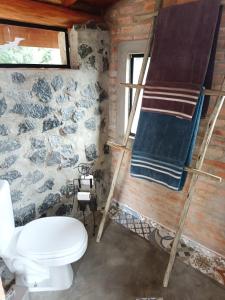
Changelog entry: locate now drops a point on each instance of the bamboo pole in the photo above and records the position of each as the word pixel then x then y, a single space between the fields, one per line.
pixel 130 121
pixel 207 92
pixel 187 169
pixel 204 174
pixel 199 164
pixel 145 17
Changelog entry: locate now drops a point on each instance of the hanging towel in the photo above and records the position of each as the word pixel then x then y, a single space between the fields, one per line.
pixel 163 146
pixel 209 75
pixel 181 52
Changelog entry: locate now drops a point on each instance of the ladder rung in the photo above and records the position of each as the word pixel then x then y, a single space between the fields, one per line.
pixel 187 169
pixel 207 92
pixel 117 146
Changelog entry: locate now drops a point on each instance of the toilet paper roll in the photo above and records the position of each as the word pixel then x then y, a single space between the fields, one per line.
pixel 86 180
pixel 87 177
pixel 84 196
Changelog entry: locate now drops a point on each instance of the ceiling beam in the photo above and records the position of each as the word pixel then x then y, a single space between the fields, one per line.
pixel 101 3
pixel 29 11
pixel 68 3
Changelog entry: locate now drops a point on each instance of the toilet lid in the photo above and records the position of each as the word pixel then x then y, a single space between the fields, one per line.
pixel 51 236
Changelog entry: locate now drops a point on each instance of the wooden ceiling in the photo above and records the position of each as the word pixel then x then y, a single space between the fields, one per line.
pixel 98 3
pixel 62 13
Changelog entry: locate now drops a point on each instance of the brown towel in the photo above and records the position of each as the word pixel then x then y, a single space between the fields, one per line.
pixel 181 52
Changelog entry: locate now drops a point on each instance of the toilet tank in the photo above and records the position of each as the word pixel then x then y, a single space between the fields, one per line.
pixel 7 225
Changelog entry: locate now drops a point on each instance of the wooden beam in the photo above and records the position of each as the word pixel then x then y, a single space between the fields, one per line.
pixel 187 169
pixel 101 3
pixel 29 11
pixel 207 92
pixel 68 3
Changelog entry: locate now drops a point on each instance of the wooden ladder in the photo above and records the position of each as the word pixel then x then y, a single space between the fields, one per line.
pixel 196 172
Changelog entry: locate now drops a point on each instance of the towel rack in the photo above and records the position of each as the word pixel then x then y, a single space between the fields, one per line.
pixel 196 172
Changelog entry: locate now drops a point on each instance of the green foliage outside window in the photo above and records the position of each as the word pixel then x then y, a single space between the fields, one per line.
pixel 26 55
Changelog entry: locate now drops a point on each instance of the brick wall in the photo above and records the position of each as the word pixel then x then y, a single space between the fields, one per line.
pixel 206 218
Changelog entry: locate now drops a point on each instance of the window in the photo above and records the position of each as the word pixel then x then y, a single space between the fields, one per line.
pixel 126 51
pixel 135 64
pixel 28 45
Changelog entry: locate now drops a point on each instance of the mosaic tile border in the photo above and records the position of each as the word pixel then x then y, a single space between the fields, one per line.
pixel 190 252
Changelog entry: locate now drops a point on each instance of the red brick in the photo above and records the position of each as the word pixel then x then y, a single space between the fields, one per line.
pixel 206 219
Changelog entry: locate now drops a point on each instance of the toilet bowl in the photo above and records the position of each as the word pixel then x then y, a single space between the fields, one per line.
pixel 41 252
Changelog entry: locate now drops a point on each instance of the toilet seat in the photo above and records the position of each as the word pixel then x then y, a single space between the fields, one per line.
pixel 41 252
pixel 53 240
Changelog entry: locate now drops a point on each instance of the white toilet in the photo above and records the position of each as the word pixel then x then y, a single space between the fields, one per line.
pixel 41 252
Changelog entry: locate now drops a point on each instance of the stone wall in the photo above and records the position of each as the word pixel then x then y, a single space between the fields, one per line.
pixel 52 120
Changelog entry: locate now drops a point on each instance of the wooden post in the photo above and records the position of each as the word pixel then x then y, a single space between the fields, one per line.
pixel 130 121
pixel 37 12
pixel 199 163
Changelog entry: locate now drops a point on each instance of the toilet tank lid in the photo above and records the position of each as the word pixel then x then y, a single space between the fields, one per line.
pixel 51 236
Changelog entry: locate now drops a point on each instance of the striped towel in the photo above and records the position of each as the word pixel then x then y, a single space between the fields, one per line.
pixel 163 146
pixel 174 101
pixel 180 57
pixel 163 170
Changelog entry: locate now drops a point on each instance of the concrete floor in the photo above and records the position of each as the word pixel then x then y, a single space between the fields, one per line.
pixel 125 266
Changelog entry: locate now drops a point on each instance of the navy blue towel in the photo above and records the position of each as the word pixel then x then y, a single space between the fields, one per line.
pixel 163 146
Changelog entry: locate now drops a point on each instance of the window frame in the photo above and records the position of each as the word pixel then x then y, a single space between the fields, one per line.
pixel 125 49
pixel 37 26
pixel 131 80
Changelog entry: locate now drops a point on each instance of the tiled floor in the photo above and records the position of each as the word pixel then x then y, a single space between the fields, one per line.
pixel 190 253
pixel 125 266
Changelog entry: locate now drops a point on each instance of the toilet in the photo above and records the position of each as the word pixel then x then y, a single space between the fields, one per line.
pixel 41 252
